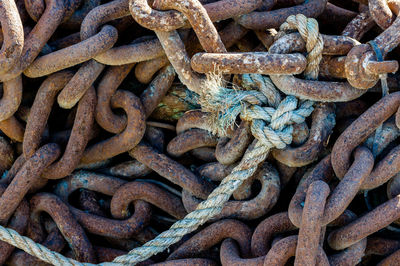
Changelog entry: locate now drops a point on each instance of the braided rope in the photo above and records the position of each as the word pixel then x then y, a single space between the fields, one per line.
pixel 271 126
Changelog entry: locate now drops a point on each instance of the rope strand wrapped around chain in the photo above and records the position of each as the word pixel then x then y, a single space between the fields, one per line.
pixel 271 126
pixel 277 133
pixel 309 31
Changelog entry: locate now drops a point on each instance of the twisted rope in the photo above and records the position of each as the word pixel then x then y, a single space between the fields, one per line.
pixel 271 126
pixel 309 31
pixel 278 133
pixel 39 251
pixel 264 85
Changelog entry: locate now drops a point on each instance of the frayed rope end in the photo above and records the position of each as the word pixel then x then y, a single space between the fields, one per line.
pixel 224 105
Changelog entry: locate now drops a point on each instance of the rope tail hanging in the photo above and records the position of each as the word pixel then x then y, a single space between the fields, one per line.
pixel 271 126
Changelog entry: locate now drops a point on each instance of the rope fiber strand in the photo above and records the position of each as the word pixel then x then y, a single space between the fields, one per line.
pixel 271 126
pixel 26 244
pixel 277 134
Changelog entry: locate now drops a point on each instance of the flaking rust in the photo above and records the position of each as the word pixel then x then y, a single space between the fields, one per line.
pixel 108 113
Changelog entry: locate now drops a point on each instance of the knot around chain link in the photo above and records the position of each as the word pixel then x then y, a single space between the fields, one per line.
pixel 273 127
pixel 270 125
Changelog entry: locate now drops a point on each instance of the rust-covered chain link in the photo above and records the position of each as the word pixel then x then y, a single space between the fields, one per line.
pixel 199 132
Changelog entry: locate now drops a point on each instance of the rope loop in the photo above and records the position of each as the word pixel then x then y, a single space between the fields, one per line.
pixel 271 126
pixel 309 31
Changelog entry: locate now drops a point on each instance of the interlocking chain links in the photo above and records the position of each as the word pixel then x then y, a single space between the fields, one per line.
pixel 271 129
pixel 309 31
pixel 343 193
pixel 384 11
pixel 280 130
pixel 273 19
pixel 171 20
pixel 37 38
pixel 365 63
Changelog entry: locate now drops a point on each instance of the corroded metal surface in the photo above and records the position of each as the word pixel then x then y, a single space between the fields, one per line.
pixel 109 135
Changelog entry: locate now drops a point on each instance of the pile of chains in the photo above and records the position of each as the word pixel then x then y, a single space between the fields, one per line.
pixel 200 132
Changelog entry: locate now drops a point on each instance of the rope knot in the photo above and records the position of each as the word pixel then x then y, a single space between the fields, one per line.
pixel 227 104
pixel 273 127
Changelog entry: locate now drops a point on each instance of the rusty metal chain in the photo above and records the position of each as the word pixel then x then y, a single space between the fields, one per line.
pixel 119 119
